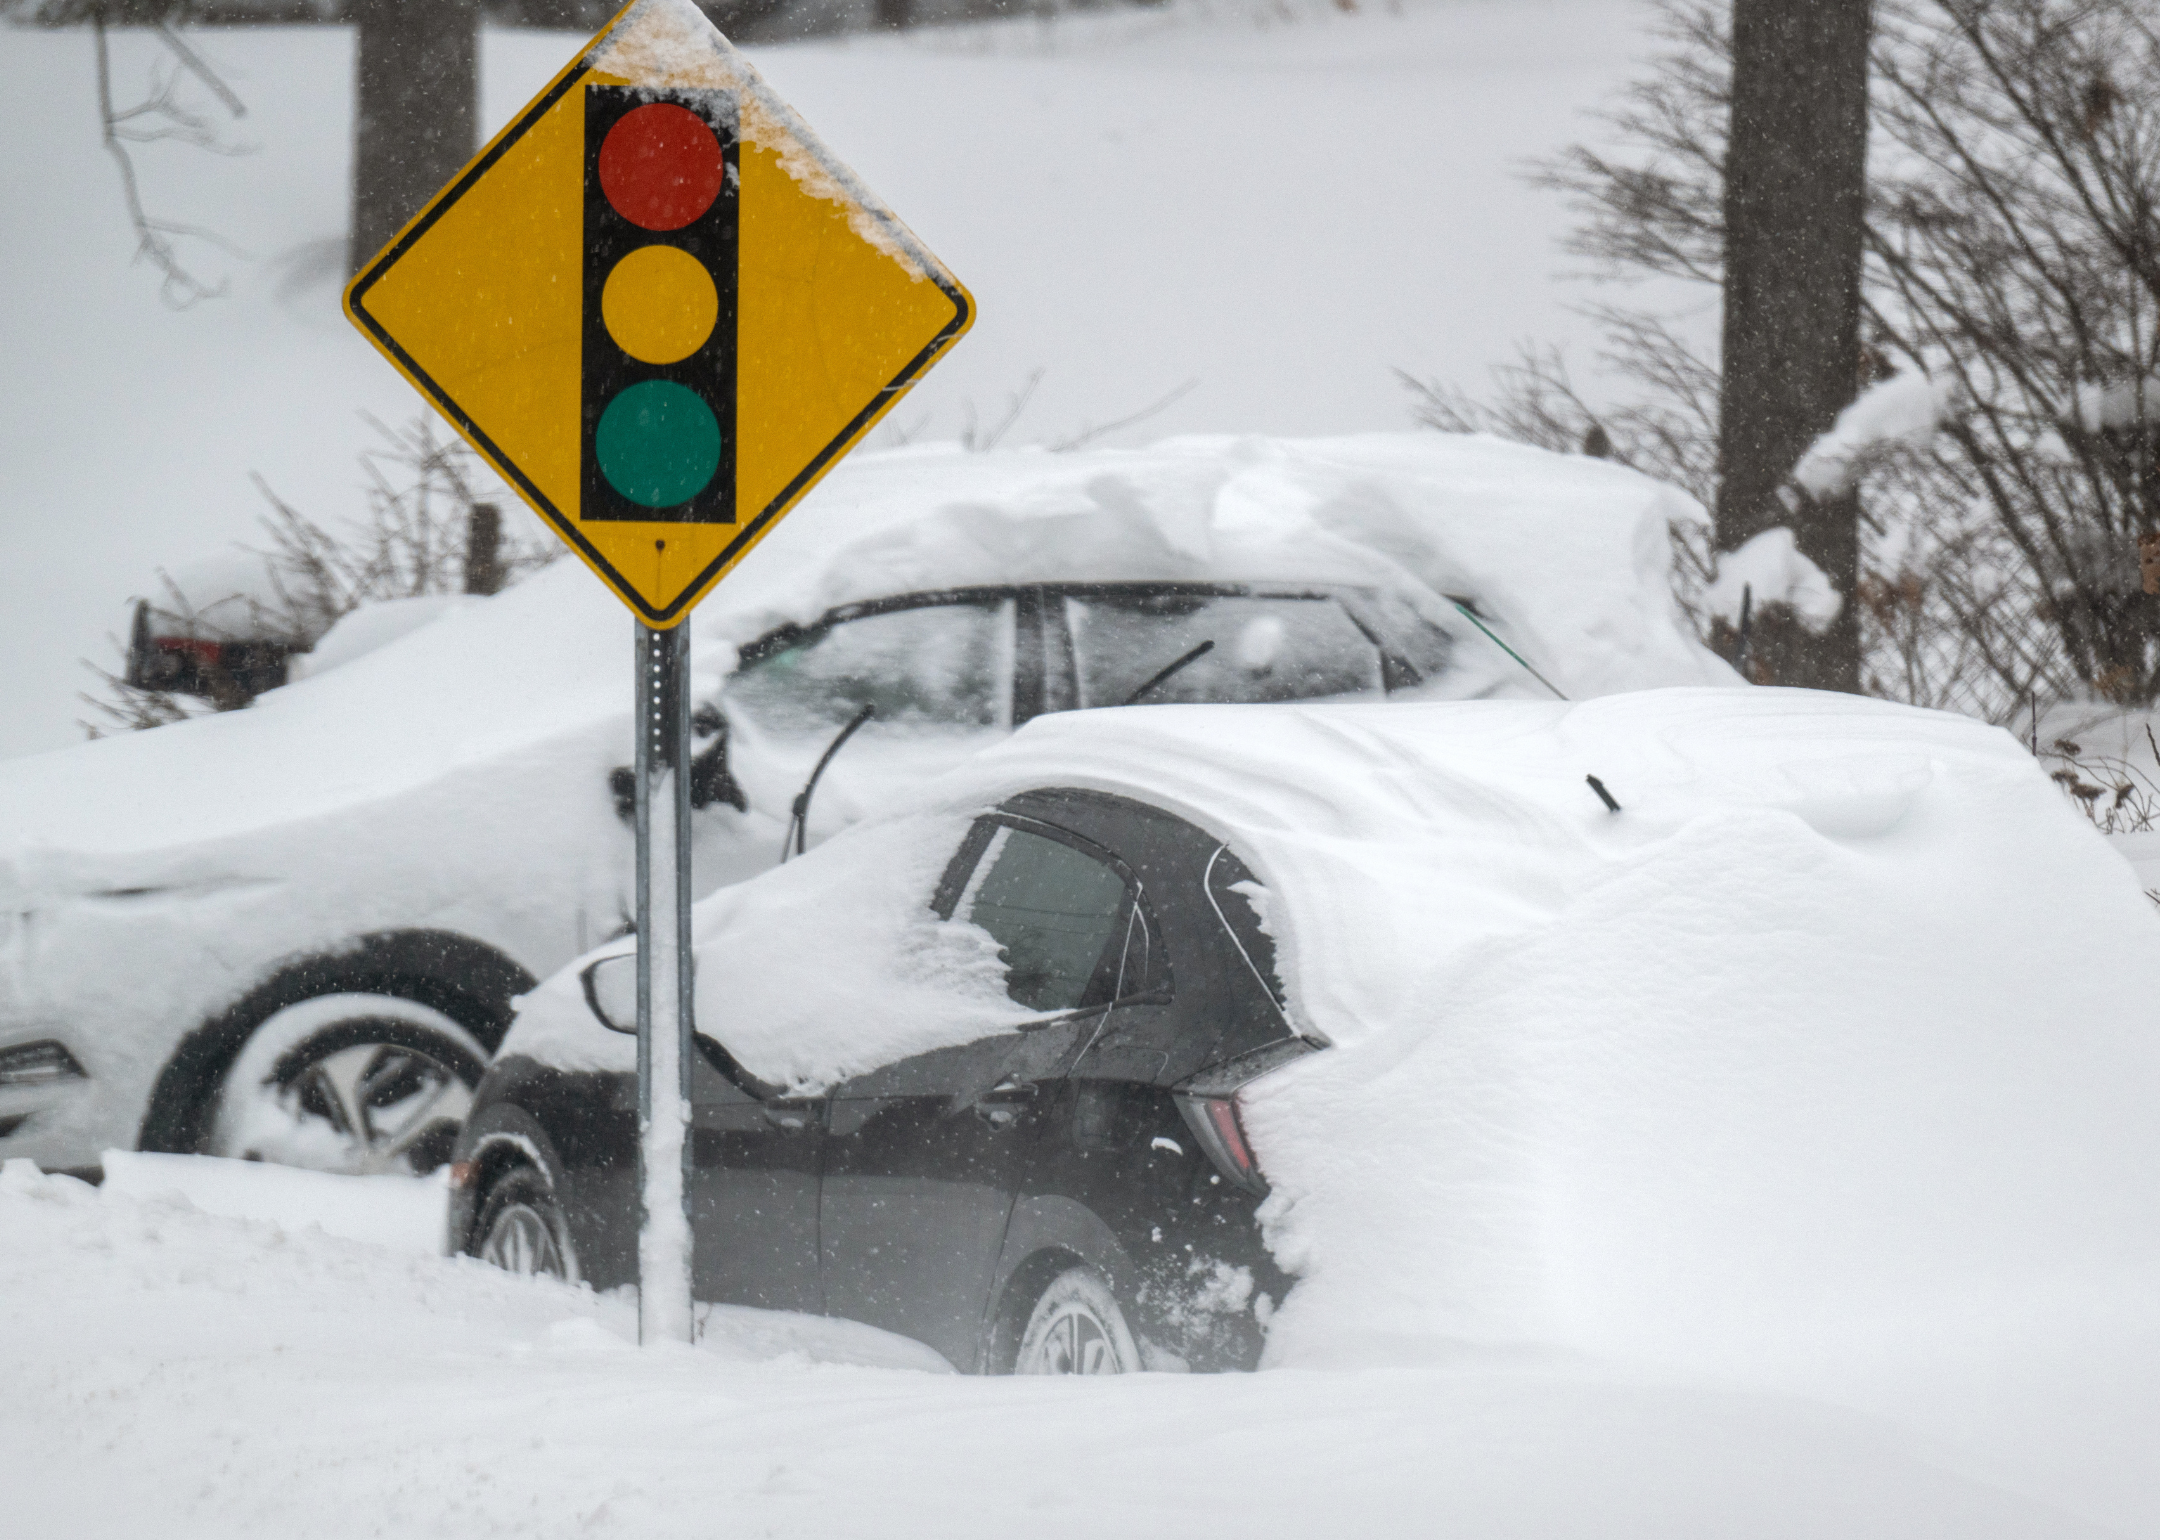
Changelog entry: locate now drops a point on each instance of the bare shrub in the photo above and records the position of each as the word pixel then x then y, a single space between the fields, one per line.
pixel 2118 796
pixel 433 526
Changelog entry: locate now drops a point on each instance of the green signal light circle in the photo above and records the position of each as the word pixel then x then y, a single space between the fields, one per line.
pixel 658 444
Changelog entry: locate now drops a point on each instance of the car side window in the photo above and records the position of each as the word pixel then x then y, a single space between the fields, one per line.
pixel 929 667
pixel 1241 902
pixel 1265 648
pixel 1054 911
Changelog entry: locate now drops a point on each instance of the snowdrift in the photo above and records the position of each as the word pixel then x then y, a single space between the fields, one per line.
pixel 208 1378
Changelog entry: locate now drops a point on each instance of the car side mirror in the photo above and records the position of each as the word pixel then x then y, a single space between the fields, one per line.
pixel 710 779
pixel 611 991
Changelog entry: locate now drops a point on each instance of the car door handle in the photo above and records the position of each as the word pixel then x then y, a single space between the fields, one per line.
pixel 1000 1106
pixel 792 1116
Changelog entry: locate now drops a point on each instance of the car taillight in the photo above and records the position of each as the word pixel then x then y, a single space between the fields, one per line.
pixel 205 653
pixel 1214 1121
pixel 1209 1102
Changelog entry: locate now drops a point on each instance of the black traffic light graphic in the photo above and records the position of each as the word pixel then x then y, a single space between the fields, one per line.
pixel 661 225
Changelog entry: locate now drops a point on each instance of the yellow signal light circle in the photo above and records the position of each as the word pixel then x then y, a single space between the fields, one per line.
pixel 659 304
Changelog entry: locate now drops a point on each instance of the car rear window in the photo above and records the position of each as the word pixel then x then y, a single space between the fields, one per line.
pixel 1265 648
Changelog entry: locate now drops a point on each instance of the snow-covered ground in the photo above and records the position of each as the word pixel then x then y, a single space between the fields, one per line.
pixel 1770 1158
pixel 1279 202
pixel 174 1373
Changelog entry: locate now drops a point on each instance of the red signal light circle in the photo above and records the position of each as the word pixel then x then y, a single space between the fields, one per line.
pixel 661 166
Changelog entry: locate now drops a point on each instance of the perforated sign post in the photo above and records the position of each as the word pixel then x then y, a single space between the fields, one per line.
pixel 661 310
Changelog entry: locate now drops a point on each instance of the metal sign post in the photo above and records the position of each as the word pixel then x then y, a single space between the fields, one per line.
pixel 661 309
pixel 664 1019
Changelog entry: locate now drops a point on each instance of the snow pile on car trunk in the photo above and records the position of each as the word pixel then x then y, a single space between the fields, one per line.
pixel 1835 1046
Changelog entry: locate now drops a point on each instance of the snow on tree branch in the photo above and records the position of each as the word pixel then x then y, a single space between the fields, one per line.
pixel 1771 570
pixel 1901 412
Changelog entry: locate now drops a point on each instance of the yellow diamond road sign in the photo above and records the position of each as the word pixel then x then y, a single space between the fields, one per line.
pixel 659 307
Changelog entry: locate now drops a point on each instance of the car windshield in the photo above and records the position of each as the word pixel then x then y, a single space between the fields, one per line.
pixel 933 666
pixel 1265 648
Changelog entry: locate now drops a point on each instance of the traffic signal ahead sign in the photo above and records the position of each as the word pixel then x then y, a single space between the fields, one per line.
pixel 659 307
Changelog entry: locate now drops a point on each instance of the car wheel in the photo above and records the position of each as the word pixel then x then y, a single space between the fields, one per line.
pixel 354 1083
pixel 521 1228
pixel 1076 1327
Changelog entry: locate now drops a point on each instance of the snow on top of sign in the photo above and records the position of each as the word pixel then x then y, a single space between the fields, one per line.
pixel 673 44
pixel 669 44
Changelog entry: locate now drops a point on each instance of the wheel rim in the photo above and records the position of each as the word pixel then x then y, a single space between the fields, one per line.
pixel 1068 1334
pixel 1077 1344
pixel 360 1110
pixel 522 1241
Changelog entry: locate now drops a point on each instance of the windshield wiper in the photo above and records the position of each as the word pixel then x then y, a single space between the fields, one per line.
pixel 798 829
pixel 1471 615
pixel 1194 656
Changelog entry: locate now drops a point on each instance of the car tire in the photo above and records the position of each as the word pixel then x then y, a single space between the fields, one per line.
pixel 522 1230
pixel 359 1084
pixel 1077 1327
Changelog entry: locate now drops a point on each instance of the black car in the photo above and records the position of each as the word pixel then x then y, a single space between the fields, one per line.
pixel 1077 1196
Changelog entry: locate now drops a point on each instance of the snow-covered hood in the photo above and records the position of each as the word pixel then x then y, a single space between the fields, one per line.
pixel 1566 555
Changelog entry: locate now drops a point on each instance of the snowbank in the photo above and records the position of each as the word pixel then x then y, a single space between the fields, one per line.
pixel 397 1212
pixel 176 1373
pixel 373 625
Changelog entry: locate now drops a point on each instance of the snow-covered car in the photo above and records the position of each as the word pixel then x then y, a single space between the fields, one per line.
pixel 1012 1069
pixel 295 931
pixel 1058 1183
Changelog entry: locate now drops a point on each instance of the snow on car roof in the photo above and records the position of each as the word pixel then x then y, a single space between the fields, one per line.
pixel 1570 556
pixel 1565 554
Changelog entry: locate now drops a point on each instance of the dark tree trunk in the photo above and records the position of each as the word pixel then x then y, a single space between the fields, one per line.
pixel 1795 200
pixel 416 77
